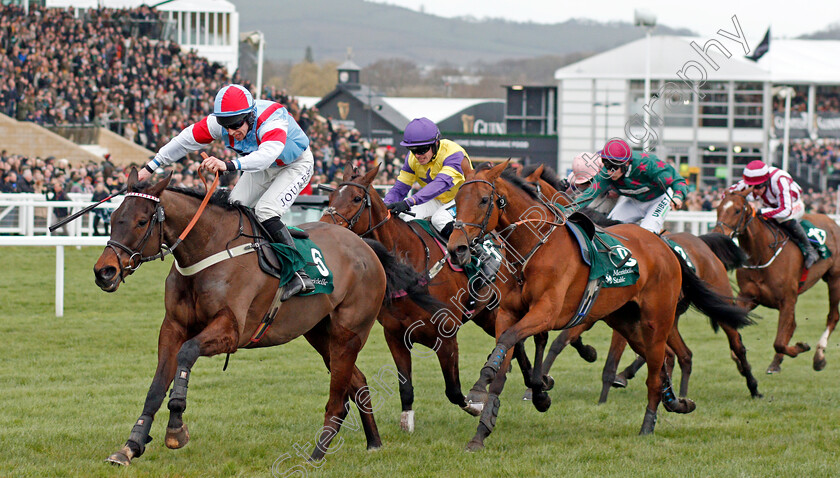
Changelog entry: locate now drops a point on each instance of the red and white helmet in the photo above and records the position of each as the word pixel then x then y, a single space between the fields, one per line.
pixel 233 104
pixel 756 172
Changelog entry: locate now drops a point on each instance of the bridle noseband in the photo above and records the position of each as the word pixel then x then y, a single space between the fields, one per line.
pixel 499 201
pixel 366 204
pixel 746 215
pixel 157 218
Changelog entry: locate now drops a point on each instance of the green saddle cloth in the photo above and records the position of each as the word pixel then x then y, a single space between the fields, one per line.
pixel 308 256
pixel 474 267
pixel 679 250
pixel 817 237
pixel 606 254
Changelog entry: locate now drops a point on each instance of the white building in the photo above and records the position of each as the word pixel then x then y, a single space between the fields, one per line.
pixel 211 27
pixel 710 107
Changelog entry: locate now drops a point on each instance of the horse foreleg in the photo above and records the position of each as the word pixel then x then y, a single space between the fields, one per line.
pixel 220 336
pixel 830 323
pixel 402 359
pixel 739 356
pixel 478 392
pixel 487 421
pixel 539 398
pixel 683 355
pixel 169 341
pixel 787 325
pixel 608 377
pixel 447 355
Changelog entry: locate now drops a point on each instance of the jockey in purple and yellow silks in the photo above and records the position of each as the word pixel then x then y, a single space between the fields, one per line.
pixel 435 164
pixel 275 158
pixel 647 185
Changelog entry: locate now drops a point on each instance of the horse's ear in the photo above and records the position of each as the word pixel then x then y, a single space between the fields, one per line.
pixel 349 171
pixel 158 188
pixel 536 175
pixel 369 176
pixel 132 178
pixel 497 170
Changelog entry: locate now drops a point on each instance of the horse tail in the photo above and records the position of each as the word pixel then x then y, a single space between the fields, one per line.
pixel 717 307
pixel 403 280
pixel 725 249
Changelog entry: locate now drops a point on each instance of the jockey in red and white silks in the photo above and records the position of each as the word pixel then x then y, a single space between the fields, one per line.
pixel 782 198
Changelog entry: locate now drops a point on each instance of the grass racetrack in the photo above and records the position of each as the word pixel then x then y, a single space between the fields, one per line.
pixel 72 388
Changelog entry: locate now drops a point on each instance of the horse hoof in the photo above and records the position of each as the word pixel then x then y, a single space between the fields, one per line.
pixel 476 396
pixel 121 458
pixel 542 402
pixel 803 347
pixel 374 448
pixel 407 421
pixel 527 395
pixel 177 437
pixel 548 382
pixel 474 408
pixel 773 368
pixel 757 396
pixel 474 445
pixel 819 362
pixel 589 354
pixel 619 382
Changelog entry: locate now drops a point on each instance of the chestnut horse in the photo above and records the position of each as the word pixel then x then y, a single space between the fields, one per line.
pixel 553 279
pixel 772 276
pixel 357 206
pixel 712 255
pixel 219 309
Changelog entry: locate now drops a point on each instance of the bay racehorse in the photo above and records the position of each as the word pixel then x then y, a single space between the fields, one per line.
pixel 774 274
pixel 219 309
pixel 712 254
pixel 355 204
pixel 553 279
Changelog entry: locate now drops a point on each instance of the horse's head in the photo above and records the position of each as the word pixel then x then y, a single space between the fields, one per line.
pixel 132 226
pixel 734 214
pixel 350 200
pixel 479 205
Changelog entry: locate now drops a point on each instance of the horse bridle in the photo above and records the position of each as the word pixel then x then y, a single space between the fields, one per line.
pixel 157 218
pixel 745 218
pixel 366 204
pixel 499 201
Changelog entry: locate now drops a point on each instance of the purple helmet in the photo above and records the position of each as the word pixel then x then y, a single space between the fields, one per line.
pixel 419 132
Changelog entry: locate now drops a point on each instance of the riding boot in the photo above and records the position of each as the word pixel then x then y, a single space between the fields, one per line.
pixel 797 233
pixel 446 231
pixel 300 283
pixel 488 266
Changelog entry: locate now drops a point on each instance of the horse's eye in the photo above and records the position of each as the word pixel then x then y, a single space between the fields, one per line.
pixel 143 222
pixel 357 199
pixel 484 200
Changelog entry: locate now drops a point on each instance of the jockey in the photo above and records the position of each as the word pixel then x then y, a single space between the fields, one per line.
pixel 647 186
pixel 585 167
pixel 782 200
pixel 275 158
pixel 435 164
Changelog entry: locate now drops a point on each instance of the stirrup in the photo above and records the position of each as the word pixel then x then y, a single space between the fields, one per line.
pixel 296 286
pixel 308 285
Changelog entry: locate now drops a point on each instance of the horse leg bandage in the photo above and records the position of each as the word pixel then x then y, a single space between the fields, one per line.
pixel 178 394
pixel 669 400
pixel 490 412
pixel 494 362
pixel 140 433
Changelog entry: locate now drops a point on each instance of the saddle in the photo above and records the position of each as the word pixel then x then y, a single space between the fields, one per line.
pixel 266 257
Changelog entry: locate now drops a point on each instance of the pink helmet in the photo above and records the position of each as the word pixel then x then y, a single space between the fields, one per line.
pixel 756 173
pixel 584 167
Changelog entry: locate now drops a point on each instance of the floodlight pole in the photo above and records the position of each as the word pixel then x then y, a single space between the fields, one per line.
pixel 260 52
pixel 646 19
pixel 787 91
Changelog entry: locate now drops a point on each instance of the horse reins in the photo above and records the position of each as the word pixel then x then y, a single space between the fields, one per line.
pixel 746 218
pixel 157 219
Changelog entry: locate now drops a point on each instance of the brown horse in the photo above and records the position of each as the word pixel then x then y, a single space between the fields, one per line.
pixel 712 255
pixel 357 206
pixel 553 277
pixel 219 309
pixel 772 276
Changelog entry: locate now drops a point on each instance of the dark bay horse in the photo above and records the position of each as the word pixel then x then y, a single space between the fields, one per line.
pixel 219 309
pixel 553 277
pixel 357 206
pixel 772 276
pixel 712 255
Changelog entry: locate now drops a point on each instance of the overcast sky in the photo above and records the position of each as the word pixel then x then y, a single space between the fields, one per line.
pixel 788 18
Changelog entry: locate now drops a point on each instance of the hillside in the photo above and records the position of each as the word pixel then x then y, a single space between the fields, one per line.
pixel 376 31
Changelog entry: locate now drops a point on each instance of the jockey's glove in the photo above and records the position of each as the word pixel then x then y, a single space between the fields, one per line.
pixel 398 207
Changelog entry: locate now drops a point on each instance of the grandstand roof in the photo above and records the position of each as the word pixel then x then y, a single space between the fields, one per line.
pixel 436 109
pixel 175 5
pixel 787 61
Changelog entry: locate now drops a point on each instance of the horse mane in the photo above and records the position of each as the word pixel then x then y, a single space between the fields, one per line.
pixel 510 176
pixel 548 175
pixel 220 198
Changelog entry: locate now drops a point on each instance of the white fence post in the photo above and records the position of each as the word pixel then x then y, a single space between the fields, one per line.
pixel 59 281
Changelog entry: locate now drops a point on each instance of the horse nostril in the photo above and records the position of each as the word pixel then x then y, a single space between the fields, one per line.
pixel 107 273
pixel 461 250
